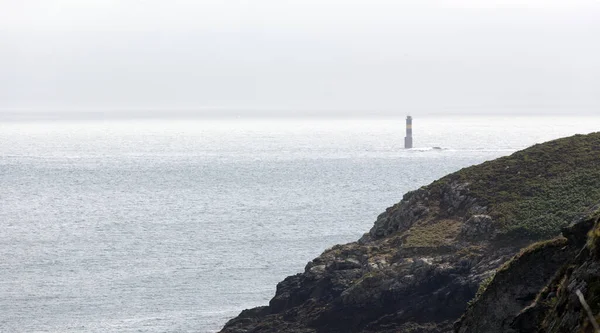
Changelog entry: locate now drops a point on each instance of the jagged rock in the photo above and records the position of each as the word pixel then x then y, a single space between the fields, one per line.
pixel 348 263
pixel 401 216
pixel 455 197
pixel 316 271
pixel 478 227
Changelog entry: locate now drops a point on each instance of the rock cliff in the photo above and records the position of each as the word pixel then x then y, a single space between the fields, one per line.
pixel 425 258
pixel 536 290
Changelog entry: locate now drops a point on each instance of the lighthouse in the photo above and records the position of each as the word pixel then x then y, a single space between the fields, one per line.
pixel 408 143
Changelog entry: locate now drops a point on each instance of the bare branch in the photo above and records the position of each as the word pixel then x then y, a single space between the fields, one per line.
pixel 588 310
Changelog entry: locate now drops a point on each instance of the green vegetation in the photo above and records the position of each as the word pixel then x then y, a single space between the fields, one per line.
pixel 536 191
pixel 471 252
pixel 482 288
pixel 432 235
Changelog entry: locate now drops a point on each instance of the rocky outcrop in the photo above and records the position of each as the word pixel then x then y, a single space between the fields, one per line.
pixel 414 206
pixel 557 307
pixel 399 276
pixel 515 286
pixel 423 262
pixel 449 200
pixel 536 291
pixel 478 227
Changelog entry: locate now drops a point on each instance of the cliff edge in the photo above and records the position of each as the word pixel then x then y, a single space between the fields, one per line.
pixel 425 258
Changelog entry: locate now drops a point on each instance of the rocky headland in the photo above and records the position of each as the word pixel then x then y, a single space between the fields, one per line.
pixel 497 247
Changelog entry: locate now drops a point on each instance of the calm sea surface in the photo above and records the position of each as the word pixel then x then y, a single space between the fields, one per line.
pixel 178 225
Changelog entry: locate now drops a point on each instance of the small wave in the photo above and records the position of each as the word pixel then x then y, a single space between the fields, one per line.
pixel 428 149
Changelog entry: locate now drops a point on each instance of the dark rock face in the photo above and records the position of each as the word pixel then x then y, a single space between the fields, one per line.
pixel 421 265
pixel 557 307
pixel 536 291
pixel 562 311
pixel 515 286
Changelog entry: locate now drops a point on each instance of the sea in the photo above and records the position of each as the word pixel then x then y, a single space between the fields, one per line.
pixel 176 225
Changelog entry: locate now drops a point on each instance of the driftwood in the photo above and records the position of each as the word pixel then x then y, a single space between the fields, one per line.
pixel 588 310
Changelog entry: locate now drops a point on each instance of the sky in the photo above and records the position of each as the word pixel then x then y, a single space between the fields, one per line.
pixel 301 57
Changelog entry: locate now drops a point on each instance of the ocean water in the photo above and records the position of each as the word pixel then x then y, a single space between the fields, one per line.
pixel 177 225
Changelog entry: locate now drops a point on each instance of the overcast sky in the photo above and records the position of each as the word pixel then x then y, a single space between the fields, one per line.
pixel 286 57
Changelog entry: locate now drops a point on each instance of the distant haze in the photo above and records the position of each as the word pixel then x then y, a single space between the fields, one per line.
pixel 300 57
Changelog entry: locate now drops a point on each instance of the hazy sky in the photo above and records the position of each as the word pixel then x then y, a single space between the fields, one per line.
pixel 284 56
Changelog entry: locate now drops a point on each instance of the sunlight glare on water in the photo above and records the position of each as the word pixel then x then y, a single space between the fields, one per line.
pixel 178 225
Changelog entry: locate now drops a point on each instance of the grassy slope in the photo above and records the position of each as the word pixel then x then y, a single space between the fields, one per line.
pixel 534 192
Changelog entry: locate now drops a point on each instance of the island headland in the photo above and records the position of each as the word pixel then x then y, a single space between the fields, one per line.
pixel 498 247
